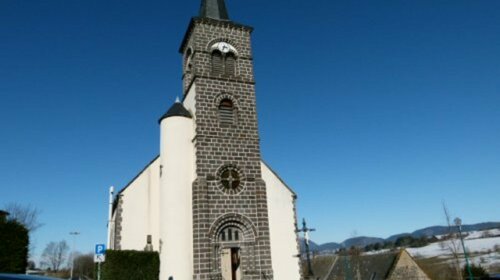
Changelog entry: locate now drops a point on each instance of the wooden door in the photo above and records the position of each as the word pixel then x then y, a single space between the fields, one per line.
pixel 226 264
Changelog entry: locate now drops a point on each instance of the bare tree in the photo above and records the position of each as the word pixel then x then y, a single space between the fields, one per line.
pixel 84 266
pixel 452 242
pixel 28 217
pixel 25 215
pixel 55 254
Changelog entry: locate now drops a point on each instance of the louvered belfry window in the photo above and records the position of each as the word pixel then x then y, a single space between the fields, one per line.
pixel 230 64
pixel 223 63
pixel 217 63
pixel 226 112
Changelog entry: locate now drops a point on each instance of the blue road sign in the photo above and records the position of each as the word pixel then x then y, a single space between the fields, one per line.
pixel 100 249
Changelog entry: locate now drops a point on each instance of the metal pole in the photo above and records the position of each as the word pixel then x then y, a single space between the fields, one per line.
pixel 347 274
pixel 471 277
pixel 110 216
pixel 309 267
pixel 99 271
pixel 74 233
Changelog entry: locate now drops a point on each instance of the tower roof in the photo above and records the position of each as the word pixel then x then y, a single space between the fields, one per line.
pixel 177 110
pixel 214 9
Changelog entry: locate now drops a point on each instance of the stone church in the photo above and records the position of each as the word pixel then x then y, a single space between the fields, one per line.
pixel 209 204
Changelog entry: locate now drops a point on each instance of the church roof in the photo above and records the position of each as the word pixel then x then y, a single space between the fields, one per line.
pixel 177 110
pixel 215 9
pixel 376 267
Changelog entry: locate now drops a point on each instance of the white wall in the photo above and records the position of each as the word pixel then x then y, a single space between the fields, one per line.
pixel 176 211
pixel 281 209
pixel 140 210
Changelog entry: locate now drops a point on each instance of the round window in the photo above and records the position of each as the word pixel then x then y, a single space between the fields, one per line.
pixel 230 179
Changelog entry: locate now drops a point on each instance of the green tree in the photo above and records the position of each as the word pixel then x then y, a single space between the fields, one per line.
pixel 13 245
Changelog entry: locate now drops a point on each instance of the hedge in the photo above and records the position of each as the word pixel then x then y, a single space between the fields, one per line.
pixel 14 241
pixel 130 265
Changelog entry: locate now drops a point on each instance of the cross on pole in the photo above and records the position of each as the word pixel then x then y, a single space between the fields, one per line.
pixel 306 231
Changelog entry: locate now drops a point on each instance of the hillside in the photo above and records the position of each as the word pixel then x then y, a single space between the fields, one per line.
pixel 363 241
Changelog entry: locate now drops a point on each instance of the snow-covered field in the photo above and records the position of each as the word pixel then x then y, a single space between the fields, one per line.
pixel 442 248
pixel 480 249
pixel 483 247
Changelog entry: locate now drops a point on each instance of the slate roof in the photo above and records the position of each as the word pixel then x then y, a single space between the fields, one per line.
pixel 370 267
pixel 321 265
pixel 177 110
pixel 215 9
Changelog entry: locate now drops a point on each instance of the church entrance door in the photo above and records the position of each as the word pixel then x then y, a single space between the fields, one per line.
pixel 230 262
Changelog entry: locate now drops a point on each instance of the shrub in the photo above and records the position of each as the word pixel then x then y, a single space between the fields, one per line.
pixel 14 241
pixel 477 271
pixel 131 265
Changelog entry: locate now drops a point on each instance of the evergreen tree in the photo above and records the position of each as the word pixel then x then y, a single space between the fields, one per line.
pixel 13 246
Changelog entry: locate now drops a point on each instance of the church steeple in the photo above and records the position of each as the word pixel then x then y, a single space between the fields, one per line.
pixel 214 9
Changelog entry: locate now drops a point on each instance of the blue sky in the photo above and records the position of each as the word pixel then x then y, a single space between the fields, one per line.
pixel 373 112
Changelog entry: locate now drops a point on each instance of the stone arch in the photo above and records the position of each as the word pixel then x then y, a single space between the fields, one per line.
pixel 232 219
pixel 223 96
pixel 246 246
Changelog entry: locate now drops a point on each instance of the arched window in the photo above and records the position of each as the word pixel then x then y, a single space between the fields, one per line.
pixel 230 65
pixel 217 63
pixel 187 60
pixel 223 62
pixel 230 234
pixel 226 111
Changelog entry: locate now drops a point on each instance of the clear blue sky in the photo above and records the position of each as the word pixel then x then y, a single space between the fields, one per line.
pixel 374 112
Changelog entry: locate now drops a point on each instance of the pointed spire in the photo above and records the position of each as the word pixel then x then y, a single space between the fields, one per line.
pixel 177 100
pixel 214 9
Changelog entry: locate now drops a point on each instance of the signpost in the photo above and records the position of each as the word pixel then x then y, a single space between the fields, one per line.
pixel 99 257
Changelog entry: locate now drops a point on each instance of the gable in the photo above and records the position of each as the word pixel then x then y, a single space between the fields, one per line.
pixel 268 174
pixel 405 267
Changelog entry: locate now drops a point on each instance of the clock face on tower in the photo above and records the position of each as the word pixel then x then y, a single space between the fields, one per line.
pixel 224 47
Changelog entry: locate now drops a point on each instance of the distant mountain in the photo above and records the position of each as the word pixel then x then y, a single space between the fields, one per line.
pixel 441 230
pixel 312 246
pixel 327 247
pixel 395 237
pixel 363 241
pixel 331 247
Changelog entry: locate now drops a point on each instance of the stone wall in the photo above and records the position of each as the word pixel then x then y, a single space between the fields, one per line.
pixel 219 146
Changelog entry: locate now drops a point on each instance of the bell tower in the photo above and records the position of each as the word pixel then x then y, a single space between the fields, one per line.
pixel 230 216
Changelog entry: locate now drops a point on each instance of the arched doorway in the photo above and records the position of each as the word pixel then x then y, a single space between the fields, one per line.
pixel 230 252
pixel 233 239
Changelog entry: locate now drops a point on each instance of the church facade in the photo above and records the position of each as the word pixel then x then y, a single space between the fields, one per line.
pixel 208 203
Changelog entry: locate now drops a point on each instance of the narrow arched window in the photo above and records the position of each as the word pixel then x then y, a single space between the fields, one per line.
pixel 230 233
pixel 230 65
pixel 187 60
pixel 187 56
pixel 226 112
pixel 217 63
